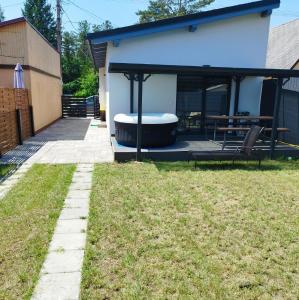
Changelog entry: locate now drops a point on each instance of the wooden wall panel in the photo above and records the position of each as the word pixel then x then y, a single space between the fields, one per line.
pixel 10 100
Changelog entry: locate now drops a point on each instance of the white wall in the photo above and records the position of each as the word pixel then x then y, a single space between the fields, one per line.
pixel 159 95
pixel 237 42
pixel 102 88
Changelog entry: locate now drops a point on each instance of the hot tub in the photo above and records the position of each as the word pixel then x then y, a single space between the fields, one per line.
pixel 158 129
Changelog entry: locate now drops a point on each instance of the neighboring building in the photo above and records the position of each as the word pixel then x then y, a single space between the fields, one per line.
pixel 21 43
pixel 232 37
pixel 283 50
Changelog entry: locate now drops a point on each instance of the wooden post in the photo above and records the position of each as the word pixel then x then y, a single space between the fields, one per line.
pixel 19 126
pixel 139 123
pixel 31 120
pixel 131 93
pixel 276 115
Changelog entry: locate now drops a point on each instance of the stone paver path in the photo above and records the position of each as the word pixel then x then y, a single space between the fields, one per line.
pixel 61 272
pixel 70 140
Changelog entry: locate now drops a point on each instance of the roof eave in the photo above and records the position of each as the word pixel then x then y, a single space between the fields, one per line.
pixel 178 23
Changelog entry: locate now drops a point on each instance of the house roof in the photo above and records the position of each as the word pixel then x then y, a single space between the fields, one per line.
pixel 23 19
pixel 204 70
pixel 283 46
pixel 98 40
pixel 12 21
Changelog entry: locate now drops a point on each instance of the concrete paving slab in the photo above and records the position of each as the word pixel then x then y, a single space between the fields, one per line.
pixel 73 241
pixel 78 194
pixel 76 203
pixel 73 213
pixel 63 286
pixel 63 262
pixel 71 140
pixel 71 226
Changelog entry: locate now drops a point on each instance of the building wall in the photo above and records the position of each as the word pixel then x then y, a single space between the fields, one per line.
pixel 12 41
pixel 45 99
pixel 102 89
pixel 238 42
pixel 41 54
pixel 159 95
pixel 20 43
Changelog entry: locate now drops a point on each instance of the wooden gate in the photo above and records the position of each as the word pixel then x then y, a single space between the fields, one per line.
pixel 80 107
pixel 16 122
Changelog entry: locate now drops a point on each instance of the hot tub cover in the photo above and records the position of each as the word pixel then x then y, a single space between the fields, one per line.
pixel 147 118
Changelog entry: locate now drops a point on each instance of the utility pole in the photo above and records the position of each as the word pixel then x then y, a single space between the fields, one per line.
pixel 58 25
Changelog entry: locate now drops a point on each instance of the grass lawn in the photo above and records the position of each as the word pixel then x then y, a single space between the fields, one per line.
pixel 28 215
pixel 166 231
pixel 5 169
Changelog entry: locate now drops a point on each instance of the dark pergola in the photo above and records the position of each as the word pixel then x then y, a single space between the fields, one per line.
pixel 136 72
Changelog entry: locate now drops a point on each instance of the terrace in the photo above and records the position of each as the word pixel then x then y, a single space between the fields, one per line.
pixel 207 133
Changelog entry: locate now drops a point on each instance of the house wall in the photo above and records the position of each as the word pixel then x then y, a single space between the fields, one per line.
pixel 20 43
pixel 46 88
pixel 102 89
pixel 45 99
pixel 12 41
pixel 41 54
pixel 238 42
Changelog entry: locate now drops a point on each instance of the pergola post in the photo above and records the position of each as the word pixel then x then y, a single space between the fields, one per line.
pixel 131 93
pixel 276 115
pixel 139 122
pixel 237 95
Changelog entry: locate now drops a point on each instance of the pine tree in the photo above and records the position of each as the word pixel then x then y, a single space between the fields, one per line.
pixel 162 9
pixel 1 14
pixel 39 13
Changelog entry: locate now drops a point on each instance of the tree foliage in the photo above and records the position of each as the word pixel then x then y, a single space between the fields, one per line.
pixel 39 13
pixel 78 73
pixel 162 9
pixel 1 14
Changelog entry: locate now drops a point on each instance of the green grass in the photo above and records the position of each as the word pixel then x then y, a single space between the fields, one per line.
pixel 5 169
pixel 167 231
pixel 28 214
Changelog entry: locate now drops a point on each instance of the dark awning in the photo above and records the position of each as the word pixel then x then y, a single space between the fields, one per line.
pixel 200 70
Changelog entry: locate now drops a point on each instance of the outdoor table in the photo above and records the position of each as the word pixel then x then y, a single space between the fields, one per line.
pixel 216 119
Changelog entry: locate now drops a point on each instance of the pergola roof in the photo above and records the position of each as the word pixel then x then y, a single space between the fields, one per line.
pixel 200 70
pixel 98 40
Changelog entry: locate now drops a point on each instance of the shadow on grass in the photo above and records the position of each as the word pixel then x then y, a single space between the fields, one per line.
pixel 267 165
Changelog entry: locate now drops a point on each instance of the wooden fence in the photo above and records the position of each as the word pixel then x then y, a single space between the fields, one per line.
pixel 80 107
pixel 16 118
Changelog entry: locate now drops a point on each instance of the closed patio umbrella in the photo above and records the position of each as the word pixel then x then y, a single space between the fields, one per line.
pixel 18 77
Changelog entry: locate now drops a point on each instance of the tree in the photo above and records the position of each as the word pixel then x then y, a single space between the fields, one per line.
pixel 69 59
pixel 1 14
pixel 78 73
pixel 39 13
pixel 162 9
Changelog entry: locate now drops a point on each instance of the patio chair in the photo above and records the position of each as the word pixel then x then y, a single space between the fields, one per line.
pixel 246 151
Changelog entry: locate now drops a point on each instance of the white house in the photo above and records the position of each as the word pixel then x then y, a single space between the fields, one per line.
pixel 200 64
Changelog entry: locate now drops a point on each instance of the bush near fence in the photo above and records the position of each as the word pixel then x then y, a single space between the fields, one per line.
pixel 15 118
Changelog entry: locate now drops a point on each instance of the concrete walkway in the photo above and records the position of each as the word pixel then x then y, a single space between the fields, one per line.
pixel 61 272
pixel 71 140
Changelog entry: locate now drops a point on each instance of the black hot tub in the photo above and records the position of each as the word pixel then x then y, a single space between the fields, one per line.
pixel 158 129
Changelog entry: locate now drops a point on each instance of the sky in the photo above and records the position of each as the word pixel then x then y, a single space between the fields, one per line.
pixel 122 12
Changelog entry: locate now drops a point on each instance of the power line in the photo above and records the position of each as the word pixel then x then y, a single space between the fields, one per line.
pixel 87 11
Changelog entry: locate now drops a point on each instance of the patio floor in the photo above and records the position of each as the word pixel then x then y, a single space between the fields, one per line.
pixel 186 144
pixel 70 140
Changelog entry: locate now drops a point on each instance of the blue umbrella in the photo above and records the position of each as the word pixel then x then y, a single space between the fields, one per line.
pixel 18 77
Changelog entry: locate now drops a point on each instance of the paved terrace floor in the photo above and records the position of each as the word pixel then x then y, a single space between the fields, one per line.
pixel 71 140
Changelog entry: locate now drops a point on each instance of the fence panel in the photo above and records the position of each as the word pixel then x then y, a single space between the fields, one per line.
pixel 80 107
pixel 10 101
